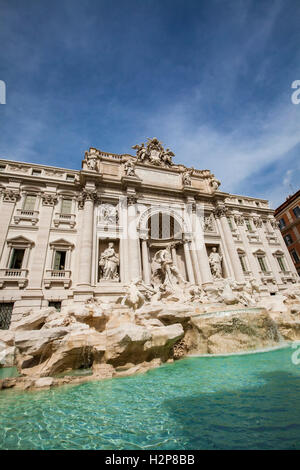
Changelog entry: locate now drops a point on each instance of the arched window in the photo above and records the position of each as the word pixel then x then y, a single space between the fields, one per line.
pixel 163 226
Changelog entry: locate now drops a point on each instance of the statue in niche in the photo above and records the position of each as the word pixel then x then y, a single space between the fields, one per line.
pixel 129 168
pixel 109 264
pixel 215 263
pixel 167 273
pixel 186 177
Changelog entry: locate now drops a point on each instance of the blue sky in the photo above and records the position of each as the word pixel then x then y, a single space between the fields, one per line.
pixel 210 78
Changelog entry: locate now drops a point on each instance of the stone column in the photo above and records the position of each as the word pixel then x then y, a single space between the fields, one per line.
pixel 174 254
pixel 205 276
pixel 134 264
pixel 9 199
pixel 37 265
pixel 86 246
pixel 146 264
pixel 124 277
pixel 188 261
pixel 220 212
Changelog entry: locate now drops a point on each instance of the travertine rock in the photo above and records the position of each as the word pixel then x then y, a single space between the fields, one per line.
pixel 7 356
pixel 44 382
pixel 232 333
pixel 32 321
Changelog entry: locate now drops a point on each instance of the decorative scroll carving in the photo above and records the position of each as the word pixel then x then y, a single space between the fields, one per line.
pixel 257 222
pixel 154 153
pixel 10 196
pixel 49 199
pixel 220 211
pixel 131 200
pixel 86 195
pixel 274 223
pixel 18 168
pixel 239 219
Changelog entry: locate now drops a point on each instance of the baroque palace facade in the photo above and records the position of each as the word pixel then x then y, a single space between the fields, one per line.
pixel 67 235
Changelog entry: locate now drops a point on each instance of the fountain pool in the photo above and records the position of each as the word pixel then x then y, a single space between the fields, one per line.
pixel 248 401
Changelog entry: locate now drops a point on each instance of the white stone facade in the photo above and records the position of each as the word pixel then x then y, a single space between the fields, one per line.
pixel 57 225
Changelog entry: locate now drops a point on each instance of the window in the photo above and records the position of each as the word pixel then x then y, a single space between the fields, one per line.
pixel 5 315
pixel 240 201
pixel 230 223
pixel 281 223
pixel 66 206
pixel 296 211
pixel 2 167
pixel 243 264
pixel 55 304
pixel 70 177
pixel 295 256
pixel 262 263
pixel 248 225
pixel 16 259
pixel 36 172
pixel 163 226
pixel 257 203
pixel 29 203
pixel 281 263
pixel 288 239
pixel 59 260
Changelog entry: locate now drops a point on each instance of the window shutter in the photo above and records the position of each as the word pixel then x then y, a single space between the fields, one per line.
pixel 29 204
pixel 66 206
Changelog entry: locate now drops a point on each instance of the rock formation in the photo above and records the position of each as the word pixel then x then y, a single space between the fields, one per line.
pixel 143 330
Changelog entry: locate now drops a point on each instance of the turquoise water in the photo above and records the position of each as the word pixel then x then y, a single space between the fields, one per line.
pixel 232 402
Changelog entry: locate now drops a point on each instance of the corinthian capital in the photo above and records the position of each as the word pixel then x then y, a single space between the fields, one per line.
pixel 86 195
pixel 49 199
pixel 10 196
pixel 257 222
pixel 220 211
pixel 239 219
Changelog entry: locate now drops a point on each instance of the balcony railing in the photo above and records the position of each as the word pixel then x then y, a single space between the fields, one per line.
pixel 9 275
pixel 27 216
pixel 57 276
pixel 69 219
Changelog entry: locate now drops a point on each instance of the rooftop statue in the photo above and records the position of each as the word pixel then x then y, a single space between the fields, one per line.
pixel 154 153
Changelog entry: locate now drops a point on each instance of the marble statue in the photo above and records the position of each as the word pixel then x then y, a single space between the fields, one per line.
pixel 186 177
pixel 215 262
pixel 109 263
pixel 134 298
pixel 129 168
pixel 214 183
pixel 141 152
pixel 154 153
pixel 168 272
pixel 108 214
pixel 92 163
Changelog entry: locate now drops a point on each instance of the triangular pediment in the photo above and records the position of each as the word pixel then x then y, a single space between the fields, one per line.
pixel 20 240
pixel 62 243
